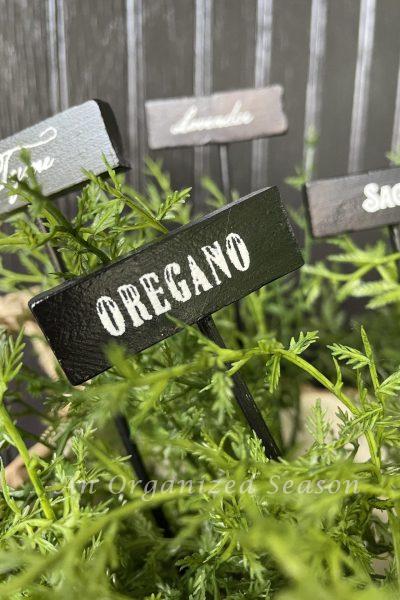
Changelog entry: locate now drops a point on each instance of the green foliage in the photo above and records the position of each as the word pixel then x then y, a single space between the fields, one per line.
pixel 322 522
pixel 354 358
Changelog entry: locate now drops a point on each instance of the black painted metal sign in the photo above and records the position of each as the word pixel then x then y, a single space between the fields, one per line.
pixel 188 274
pixel 60 147
pixel 354 202
pixel 220 118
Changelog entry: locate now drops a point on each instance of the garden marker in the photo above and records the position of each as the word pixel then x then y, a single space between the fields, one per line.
pixel 220 119
pixel 60 148
pixel 187 275
pixel 217 119
pixel 356 202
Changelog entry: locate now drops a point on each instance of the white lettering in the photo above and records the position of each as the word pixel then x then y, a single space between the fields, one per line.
pixel 153 293
pixel 380 198
pixel 110 315
pixel 133 304
pixel 237 252
pixel 20 172
pixel 180 290
pixel 215 257
pixel 190 123
pixel 198 277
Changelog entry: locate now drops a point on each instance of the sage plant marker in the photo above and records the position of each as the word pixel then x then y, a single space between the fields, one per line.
pixel 60 148
pixel 354 203
pixel 221 119
pixel 188 274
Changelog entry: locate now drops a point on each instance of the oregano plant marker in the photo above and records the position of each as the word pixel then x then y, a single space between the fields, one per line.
pixel 62 149
pixel 187 275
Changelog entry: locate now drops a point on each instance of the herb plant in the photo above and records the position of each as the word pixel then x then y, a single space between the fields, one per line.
pixel 322 522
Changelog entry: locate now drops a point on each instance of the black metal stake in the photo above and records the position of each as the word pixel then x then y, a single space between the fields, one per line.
pixel 121 423
pixel 242 394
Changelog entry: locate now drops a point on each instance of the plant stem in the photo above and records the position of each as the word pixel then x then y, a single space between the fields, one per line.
pixel 318 376
pixel 19 444
pixel 52 211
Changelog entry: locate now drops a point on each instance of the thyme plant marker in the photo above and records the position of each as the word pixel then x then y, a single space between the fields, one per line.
pixel 188 274
pixel 354 203
pixel 221 119
pixel 60 148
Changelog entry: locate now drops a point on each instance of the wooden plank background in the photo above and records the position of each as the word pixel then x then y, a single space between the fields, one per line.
pixel 338 61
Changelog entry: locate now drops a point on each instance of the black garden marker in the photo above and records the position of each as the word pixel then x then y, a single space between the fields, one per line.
pixel 189 274
pixel 60 148
pixel 355 202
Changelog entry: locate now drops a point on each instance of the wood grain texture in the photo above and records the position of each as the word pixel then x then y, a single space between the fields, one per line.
pixel 169 70
pixel 362 83
pixel 24 97
pixel 262 74
pixel 343 204
pixel 289 67
pixel 96 64
pixel 96 55
pixel 73 325
pixel 382 91
pixel 234 52
pixel 337 88
pixel 60 148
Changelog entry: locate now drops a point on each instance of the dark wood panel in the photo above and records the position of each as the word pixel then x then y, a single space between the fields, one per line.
pixel 168 39
pixel 290 56
pixel 95 37
pixel 234 39
pixel 338 84
pixel 24 96
pixel 385 65
pixel 149 47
